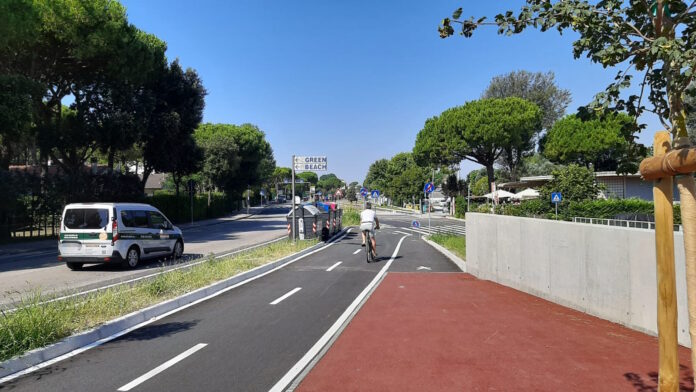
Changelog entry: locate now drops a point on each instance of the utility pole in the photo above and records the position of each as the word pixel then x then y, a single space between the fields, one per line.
pixel 248 192
pixel 293 199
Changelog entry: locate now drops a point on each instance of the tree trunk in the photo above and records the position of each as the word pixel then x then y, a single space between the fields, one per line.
pixel 112 156
pixel 491 177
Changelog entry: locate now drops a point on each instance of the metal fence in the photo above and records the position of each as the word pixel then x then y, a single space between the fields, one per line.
pixel 621 223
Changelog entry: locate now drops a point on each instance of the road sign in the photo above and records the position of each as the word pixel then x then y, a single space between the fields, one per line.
pixel 262 192
pixel 415 224
pixel 556 197
pixel 429 187
pixel 318 193
pixel 363 192
pixel 310 163
pixel 375 194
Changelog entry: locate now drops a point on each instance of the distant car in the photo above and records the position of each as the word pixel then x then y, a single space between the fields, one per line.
pixel 116 233
pixel 280 199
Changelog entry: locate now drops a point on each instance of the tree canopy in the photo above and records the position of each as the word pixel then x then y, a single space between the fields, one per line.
pixel 599 142
pixel 376 177
pixel 245 155
pixel 479 131
pixel 652 40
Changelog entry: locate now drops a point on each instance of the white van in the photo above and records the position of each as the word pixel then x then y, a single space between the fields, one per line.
pixel 116 233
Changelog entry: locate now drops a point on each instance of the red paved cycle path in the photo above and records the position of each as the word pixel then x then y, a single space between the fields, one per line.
pixel 453 332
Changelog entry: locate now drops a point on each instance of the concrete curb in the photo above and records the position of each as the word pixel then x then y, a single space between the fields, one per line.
pixel 115 328
pixel 456 259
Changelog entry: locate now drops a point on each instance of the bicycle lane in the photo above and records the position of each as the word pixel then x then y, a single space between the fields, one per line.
pixel 454 332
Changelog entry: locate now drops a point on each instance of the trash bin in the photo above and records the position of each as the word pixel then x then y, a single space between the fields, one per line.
pixel 307 222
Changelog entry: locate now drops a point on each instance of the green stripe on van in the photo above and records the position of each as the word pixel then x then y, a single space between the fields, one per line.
pixel 136 236
pixel 84 236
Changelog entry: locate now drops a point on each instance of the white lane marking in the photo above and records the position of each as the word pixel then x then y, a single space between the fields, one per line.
pixel 156 318
pixel 291 292
pixel 401 232
pixel 307 358
pixel 356 252
pixel 333 266
pixel 423 268
pixel 159 369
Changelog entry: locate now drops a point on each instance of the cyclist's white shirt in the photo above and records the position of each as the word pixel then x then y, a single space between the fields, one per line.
pixel 367 216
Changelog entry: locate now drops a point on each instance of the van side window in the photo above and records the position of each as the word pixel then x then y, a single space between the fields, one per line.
pixel 157 221
pixel 127 219
pixel 134 218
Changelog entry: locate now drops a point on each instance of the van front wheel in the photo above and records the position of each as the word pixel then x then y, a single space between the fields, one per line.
pixel 133 257
pixel 178 250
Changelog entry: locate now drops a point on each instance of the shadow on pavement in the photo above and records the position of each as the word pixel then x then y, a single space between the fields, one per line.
pixel 649 383
pixel 158 331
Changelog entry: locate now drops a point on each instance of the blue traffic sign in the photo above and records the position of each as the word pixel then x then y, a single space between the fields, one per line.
pixel 556 197
pixel 319 193
pixel 415 224
pixel 375 194
pixel 363 191
pixel 429 187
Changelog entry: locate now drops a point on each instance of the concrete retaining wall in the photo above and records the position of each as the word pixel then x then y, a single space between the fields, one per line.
pixel 605 271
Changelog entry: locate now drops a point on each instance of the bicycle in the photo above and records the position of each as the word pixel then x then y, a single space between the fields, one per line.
pixel 368 246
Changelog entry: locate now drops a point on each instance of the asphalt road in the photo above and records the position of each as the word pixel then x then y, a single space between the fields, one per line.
pixel 25 273
pixel 247 338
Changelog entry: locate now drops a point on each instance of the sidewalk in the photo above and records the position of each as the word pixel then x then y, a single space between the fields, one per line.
pixel 453 332
pixel 51 244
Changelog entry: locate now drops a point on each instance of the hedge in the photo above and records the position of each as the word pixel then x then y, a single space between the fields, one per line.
pixel 624 209
pixel 180 212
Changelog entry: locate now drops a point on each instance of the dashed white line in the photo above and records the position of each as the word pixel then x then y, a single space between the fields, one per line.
pixel 333 266
pixel 291 292
pixel 161 368
pixel 282 384
pixel 356 252
pixel 401 232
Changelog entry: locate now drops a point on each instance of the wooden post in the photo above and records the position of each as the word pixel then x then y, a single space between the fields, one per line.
pixel 668 380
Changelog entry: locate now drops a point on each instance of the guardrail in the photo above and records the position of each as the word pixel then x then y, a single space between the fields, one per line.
pixel 621 223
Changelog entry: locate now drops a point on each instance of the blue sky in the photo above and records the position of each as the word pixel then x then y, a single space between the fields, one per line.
pixel 352 80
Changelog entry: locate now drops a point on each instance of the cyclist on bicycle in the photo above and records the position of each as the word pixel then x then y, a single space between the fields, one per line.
pixel 369 222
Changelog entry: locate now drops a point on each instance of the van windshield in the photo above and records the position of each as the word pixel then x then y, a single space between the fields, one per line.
pixel 86 218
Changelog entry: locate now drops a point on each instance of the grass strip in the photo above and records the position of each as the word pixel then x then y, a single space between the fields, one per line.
pixel 35 324
pixel 454 243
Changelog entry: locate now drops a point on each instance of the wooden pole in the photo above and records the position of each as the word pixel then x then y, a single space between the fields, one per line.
pixel 687 197
pixel 668 380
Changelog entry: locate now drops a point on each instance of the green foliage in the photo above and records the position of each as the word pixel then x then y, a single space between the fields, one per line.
pixel 179 210
pixel 329 183
pixel 350 218
pixel 480 187
pixel 599 141
pixel 576 183
pixel 454 243
pixel 309 177
pixel 538 88
pixel 656 47
pixel 239 156
pixel 479 131
pixel 460 207
pixel 376 177
pixel 537 165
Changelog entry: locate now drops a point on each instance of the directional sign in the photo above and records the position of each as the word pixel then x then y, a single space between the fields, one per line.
pixel 556 197
pixel 375 194
pixel 415 224
pixel 262 192
pixel 429 187
pixel 313 163
pixel 363 192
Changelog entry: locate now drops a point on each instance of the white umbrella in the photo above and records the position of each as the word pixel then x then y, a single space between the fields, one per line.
pixel 500 194
pixel 526 194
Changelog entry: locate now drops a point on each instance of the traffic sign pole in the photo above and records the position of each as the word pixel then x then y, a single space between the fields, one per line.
pixel 293 199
